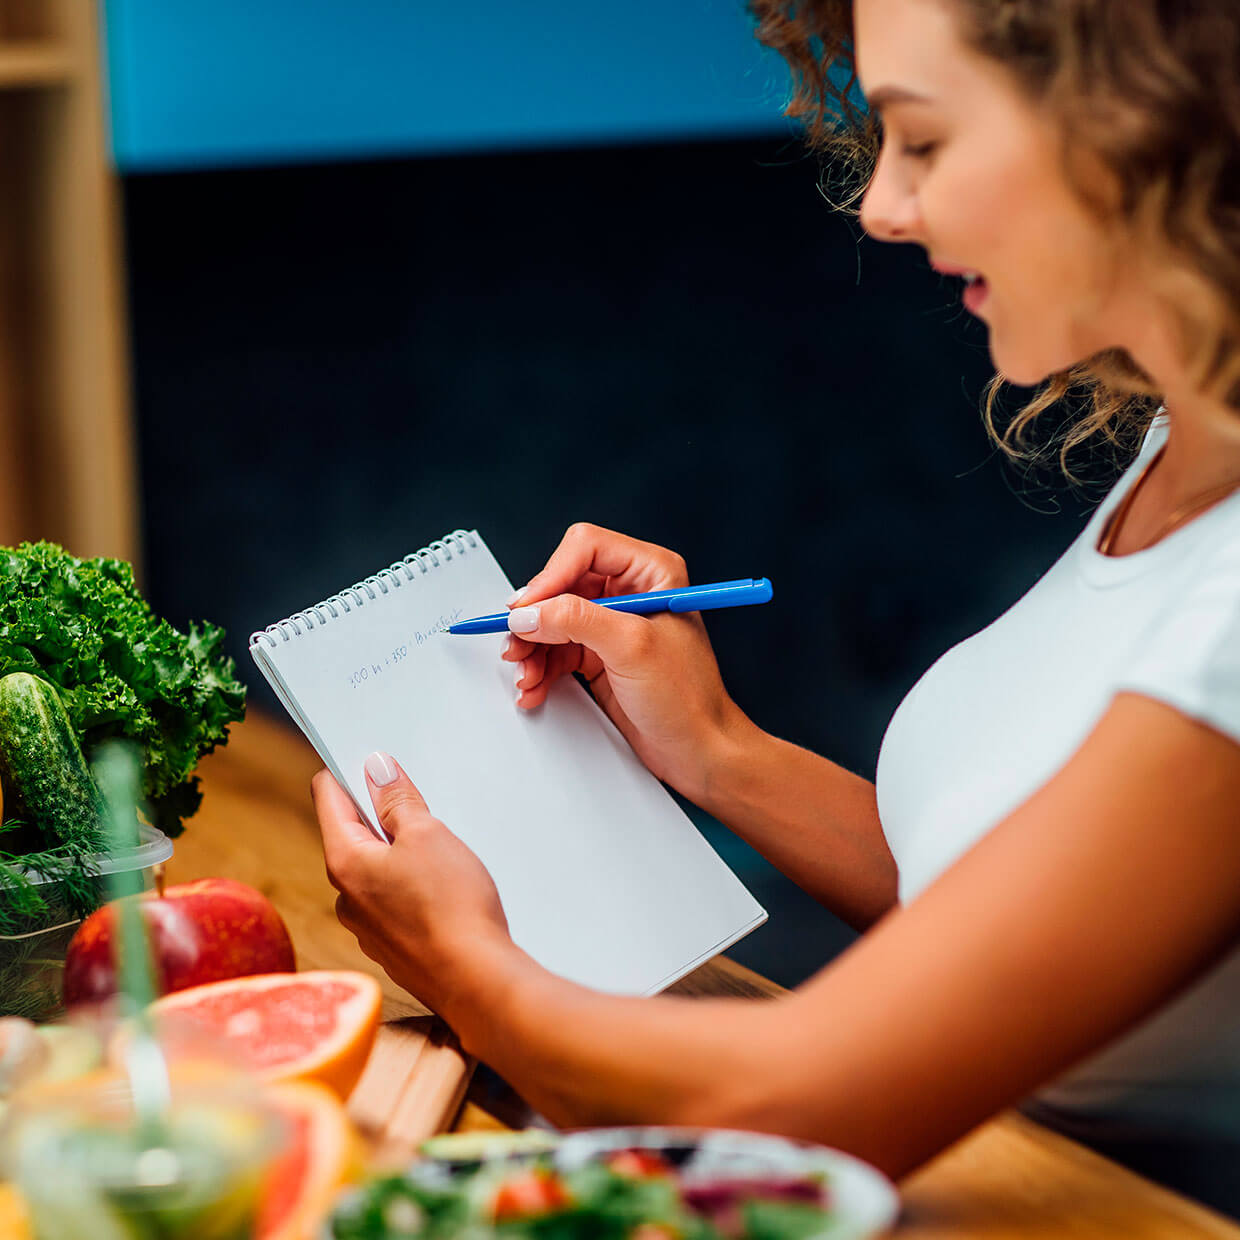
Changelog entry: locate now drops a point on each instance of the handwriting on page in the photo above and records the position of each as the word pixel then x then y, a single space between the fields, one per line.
pixel 374 669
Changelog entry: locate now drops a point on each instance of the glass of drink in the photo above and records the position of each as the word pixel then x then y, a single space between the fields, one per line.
pixel 88 1164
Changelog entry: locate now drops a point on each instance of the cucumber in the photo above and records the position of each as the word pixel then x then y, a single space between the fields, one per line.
pixel 43 769
pixel 477 1147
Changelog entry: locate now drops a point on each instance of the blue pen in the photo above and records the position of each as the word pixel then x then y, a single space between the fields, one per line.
pixel 741 593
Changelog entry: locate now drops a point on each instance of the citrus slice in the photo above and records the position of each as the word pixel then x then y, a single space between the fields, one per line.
pixel 14 1221
pixel 322 1152
pixel 313 1026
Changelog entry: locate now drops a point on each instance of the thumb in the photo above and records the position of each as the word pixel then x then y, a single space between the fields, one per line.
pixel 397 802
pixel 620 639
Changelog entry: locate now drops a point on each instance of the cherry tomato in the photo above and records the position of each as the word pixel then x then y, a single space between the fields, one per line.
pixel 654 1231
pixel 534 1192
pixel 639 1164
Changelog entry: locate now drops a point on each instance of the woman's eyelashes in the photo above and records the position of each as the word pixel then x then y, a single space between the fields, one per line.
pixel 920 150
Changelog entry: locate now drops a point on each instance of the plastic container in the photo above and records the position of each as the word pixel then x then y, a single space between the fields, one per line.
pixel 32 962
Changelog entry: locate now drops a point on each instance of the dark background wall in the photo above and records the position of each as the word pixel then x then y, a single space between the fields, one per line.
pixel 337 363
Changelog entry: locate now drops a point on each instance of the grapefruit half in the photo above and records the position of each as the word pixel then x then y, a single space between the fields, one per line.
pixel 312 1026
pixel 321 1154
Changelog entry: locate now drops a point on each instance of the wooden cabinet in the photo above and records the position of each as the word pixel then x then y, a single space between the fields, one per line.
pixel 66 445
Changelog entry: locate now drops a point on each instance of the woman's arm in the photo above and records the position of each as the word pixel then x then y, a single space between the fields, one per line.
pixel 657 680
pixel 813 820
pixel 1094 903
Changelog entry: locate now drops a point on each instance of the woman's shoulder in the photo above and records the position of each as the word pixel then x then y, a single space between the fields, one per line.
pixel 1189 653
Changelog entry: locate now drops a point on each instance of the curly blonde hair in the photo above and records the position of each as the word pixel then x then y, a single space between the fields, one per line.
pixel 1152 89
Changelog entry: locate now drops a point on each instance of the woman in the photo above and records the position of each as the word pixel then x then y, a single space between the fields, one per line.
pixel 1049 867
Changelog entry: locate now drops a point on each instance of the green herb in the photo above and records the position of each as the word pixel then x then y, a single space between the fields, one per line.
pixel 119 672
pixel 119 669
pixel 32 955
pixel 65 888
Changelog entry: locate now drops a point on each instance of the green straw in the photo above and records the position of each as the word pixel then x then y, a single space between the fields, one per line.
pixel 116 773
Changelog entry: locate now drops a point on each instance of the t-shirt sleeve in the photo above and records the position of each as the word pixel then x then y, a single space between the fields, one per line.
pixel 1190 657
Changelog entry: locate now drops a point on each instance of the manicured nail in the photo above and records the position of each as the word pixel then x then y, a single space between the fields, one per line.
pixel 523 620
pixel 517 596
pixel 507 650
pixel 520 673
pixel 381 769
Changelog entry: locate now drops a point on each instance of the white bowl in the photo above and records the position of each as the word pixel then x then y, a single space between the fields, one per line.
pixel 863 1202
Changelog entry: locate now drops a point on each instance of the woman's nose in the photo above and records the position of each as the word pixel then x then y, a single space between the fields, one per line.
pixel 889 210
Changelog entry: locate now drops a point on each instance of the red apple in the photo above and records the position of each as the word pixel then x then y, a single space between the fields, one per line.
pixel 204 931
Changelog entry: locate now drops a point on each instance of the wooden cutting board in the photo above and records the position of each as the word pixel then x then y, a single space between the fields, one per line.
pixel 257 825
pixel 413 1087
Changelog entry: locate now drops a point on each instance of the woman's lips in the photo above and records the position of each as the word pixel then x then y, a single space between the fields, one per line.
pixel 975 294
pixel 976 290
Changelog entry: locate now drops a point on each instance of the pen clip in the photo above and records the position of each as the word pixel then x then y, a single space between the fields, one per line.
pixel 723 594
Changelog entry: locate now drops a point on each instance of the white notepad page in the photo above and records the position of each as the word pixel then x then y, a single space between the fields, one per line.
pixel 603 877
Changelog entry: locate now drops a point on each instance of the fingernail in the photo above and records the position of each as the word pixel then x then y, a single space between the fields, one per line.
pixel 381 769
pixel 507 650
pixel 520 673
pixel 517 596
pixel 523 620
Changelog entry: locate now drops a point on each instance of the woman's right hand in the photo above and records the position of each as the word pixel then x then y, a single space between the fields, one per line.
pixel 655 676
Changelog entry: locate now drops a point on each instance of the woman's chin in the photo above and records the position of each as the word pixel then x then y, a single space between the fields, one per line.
pixel 1022 378
pixel 1021 371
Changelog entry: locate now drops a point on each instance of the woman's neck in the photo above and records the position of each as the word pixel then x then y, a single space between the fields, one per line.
pixel 1203 440
pixel 1202 451
pixel 1195 469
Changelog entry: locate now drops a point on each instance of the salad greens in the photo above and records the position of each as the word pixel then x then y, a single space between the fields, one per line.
pixel 120 670
pixel 616 1197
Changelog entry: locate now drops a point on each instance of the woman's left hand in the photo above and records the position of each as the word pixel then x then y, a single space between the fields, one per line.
pixel 422 907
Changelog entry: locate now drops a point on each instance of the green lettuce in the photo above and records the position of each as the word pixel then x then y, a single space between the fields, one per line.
pixel 120 670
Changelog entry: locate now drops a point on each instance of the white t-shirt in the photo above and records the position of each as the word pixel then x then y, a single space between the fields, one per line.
pixel 999 714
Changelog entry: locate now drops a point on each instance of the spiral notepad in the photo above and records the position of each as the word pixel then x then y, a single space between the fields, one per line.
pixel 603 878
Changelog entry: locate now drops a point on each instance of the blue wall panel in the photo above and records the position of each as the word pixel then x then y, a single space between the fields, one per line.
pixel 266 81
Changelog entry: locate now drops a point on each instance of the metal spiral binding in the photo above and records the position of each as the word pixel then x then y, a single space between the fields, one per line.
pixel 415 565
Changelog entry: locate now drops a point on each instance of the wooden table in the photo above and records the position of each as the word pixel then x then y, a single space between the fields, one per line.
pixel 1010 1178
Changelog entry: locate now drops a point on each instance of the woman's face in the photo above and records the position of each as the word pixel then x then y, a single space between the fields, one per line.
pixel 972 170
